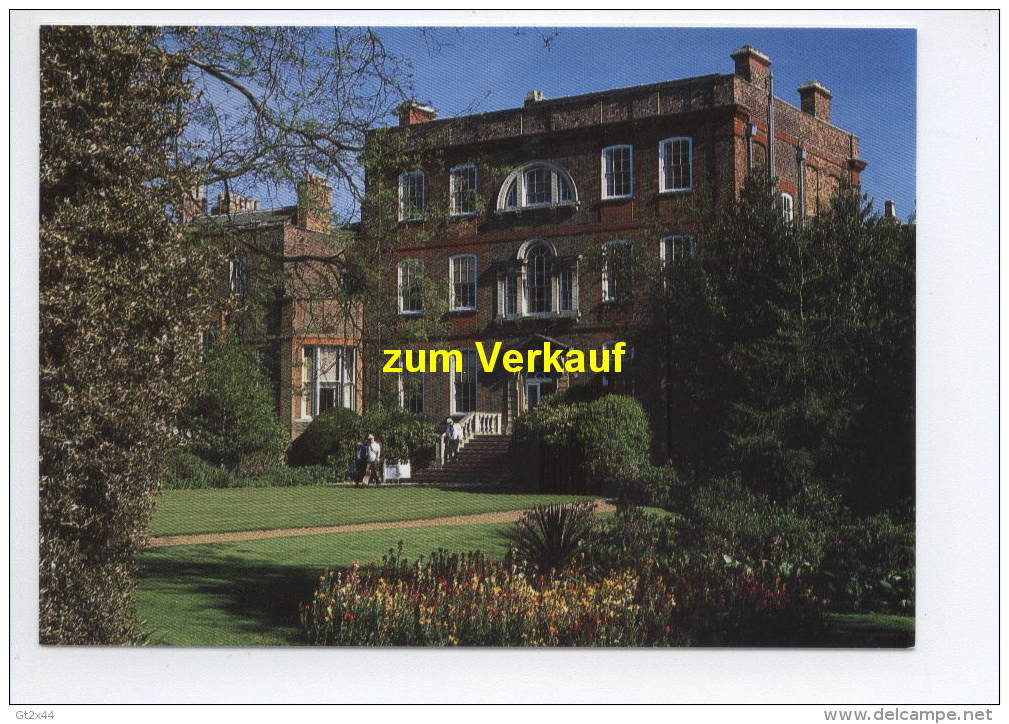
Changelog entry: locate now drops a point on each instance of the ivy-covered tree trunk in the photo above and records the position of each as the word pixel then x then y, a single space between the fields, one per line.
pixel 123 293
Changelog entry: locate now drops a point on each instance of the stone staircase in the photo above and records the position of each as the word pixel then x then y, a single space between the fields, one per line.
pixel 482 461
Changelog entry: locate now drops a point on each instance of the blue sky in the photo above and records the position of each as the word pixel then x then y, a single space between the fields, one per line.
pixel 870 72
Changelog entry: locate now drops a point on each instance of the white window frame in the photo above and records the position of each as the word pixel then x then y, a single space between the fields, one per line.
pixel 422 211
pixel 451 281
pixel 607 292
pixel 454 173
pixel 787 207
pixel 667 244
pixel 418 264
pixel 608 152
pixel 466 351
pixel 662 164
pixel 518 177
pixel 402 391
pixel 314 384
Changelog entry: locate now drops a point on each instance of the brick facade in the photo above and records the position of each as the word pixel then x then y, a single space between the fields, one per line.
pixel 725 116
pixel 301 310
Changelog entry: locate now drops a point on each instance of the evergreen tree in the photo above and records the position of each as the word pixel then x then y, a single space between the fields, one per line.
pixel 123 292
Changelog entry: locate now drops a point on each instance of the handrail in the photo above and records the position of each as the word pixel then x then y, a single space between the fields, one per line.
pixel 472 424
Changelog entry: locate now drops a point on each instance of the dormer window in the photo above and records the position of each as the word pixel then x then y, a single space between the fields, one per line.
pixel 536 185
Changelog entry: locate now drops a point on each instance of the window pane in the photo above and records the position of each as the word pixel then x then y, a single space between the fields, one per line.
pixel 676 165
pixel 464 282
pixel 511 302
pixel 512 198
pixel 464 190
pixel 565 280
pixel 617 164
pixel 411 285
pixel 412 195
pixel 465 383
pixel 619 270
pixel 412 392
pixel 538 278
pixel 537 186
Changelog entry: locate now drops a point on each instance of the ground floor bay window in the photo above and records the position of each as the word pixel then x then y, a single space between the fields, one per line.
pixel 329 379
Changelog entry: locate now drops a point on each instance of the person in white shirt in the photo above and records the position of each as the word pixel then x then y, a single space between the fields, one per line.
pixel 373 471
pixel 453 434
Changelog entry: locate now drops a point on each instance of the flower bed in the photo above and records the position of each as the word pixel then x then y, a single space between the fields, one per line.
pixel 470 600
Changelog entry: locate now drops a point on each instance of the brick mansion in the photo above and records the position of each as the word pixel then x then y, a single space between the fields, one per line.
pixel 522 215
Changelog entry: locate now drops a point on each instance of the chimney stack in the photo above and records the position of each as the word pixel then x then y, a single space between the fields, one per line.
pixel 232 203
pixel 535 96
pixel 315 203
pixel 815 99
pixel 890 211
pixel 752 65
pixel 412 112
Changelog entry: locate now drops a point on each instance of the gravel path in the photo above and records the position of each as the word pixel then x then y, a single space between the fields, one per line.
pixel 508 516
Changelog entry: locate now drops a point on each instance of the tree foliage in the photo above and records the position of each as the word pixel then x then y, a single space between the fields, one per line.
pixel 122 290
pixel 794 349
pixel 230 419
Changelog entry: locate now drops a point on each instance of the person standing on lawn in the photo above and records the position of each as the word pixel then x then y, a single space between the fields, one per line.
pixel 373 471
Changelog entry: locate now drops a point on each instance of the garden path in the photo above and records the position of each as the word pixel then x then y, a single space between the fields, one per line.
pixel 508 516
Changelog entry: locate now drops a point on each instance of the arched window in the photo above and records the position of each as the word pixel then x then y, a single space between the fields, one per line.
pixel 537 185
pixel 538 282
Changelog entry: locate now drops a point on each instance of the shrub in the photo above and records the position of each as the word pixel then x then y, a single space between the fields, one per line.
pixel 870 566
pixel 614 434
pixel 230 419
pixel 631 536
pixel 402 434
pixel 655 485
pixel 549 537
pixel 331 436
pixel 188 472
pixel 609 437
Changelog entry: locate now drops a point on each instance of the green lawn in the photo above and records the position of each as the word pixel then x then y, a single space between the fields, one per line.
pixel 247 594
pixel 218 511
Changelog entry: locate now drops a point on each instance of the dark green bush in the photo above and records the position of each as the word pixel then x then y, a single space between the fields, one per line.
pixel 230 419
pixel 631 536
pixel 610 436
pixel 188 472
pixel 332 435
pixel 614 434
pixel 403 435
pixel 870 566
pixel 658 486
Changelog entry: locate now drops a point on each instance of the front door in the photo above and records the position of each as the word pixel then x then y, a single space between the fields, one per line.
pixel 537 388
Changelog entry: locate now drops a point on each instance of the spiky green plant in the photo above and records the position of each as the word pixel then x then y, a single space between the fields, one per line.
pixel 548 537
